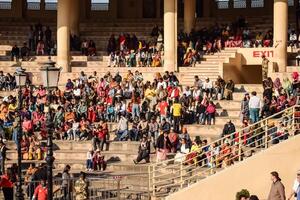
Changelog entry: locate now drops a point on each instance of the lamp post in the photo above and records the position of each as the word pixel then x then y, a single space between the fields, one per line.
pixel 50 76
pixel 21 77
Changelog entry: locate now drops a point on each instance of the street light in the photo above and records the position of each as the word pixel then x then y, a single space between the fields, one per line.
pixel 50 76
pixel 21 78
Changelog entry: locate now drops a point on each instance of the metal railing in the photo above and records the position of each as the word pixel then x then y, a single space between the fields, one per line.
pixel 33 5
pixel 223 4
pixel 257 3
pixel 174 174
pixel 100 6
pixel 97 188
pixel 5 5
pixel 50 6
pixel 239 4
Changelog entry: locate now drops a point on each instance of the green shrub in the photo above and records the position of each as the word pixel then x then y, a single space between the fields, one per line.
pixel 242 193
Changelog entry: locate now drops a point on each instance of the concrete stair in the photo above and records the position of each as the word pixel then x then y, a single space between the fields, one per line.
pixel 211 67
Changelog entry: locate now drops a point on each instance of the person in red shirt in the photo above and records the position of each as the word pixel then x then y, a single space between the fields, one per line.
pixel 41 191
pixel 99 137
pixel 91 113
pixel 173 137
pixel 7 185
pixel 163 108
pixel 98 161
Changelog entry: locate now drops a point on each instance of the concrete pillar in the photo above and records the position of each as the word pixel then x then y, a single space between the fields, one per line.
pixel 140 9
pixel 189 15
pixel 207 7
pixel 170 35
pixel 113 5
pixel 248 4
pixel 157 8
pixel 43 4
pixel 280 33
pixel 63 34
pixel 18 7
pixel 75 17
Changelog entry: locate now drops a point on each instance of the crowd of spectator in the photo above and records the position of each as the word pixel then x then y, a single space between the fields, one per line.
pixel 40 42
pixel 276 97
pixel 140 108
pixel 151 112
pixel 84 108
pixel 7 82
pixel 129 51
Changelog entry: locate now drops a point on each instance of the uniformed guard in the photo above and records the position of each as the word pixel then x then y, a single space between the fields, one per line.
pixel 81 188
pixel 264 64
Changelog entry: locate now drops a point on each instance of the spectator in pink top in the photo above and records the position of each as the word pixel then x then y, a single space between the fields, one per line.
pixel 27 125
pixel 210 113
pixel 38 118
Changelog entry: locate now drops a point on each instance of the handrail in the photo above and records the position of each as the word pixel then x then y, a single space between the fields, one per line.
pixel 232 134
pixel 260 134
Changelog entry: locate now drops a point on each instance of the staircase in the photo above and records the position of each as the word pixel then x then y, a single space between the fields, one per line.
pixel 171 176
pixel 211 67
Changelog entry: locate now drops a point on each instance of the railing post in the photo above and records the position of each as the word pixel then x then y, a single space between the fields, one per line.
pixel 240 145
pixel 119 188
pixel 149 181
pixel 181 174
pixel 266 135
pixel 293 120
pixel 153 181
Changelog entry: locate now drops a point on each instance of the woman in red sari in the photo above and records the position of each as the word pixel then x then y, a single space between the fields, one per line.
pixel 188 58
pixel 91 115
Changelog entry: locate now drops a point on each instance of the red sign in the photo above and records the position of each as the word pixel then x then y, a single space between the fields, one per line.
pixel 259 54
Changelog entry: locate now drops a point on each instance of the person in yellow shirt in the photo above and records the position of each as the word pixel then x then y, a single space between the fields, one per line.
pixel 150 93
pixel 12 107
pixel 177 110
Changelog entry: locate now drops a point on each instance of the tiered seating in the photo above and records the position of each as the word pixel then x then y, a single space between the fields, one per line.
pixel 226 110
pixel 172 175
pixel 120 154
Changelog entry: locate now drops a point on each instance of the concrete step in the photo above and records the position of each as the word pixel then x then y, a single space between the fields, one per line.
pixel 85 145
pixel 80 155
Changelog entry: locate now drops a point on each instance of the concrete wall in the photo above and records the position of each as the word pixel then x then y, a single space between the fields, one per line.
pixel 246 66
pixel 252 174
pixel 252 56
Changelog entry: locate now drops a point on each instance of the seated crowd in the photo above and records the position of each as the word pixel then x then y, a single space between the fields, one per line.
pixel 209 40
pixel 7 82
pixel 84 108
pixel 40 42
pixel 277 97
pixel 128 51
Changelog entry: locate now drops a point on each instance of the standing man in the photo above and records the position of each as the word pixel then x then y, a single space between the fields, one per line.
pixel 277 191
pixel 295 194
pixel 15 53
pixel 264 65
pixel 177 110
pixel 254 107
pixel 66 183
